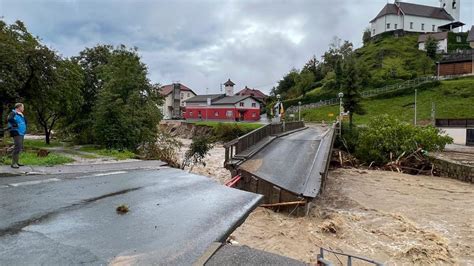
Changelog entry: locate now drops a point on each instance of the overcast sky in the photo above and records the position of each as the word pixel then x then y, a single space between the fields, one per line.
pixel 202 43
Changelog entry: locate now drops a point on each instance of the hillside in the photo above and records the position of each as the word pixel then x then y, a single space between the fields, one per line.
pixel 453 99
pixel 392 59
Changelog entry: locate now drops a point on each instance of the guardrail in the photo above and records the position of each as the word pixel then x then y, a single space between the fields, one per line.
pixel 367 94
pixel 246 141
pixel 325 262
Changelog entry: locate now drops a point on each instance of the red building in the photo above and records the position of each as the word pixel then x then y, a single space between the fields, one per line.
pixel 253 92
pixel 223 106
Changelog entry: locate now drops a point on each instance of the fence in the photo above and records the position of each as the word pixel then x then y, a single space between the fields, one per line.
pixel 323 261
pixel 367 94
pixel 246 141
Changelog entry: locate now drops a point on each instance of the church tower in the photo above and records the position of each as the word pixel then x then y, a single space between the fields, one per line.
pixel 453 7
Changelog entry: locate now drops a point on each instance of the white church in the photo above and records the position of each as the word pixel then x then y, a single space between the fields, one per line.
pixel 410 17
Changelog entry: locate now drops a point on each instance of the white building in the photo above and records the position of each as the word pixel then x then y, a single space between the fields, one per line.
pixel 461 130
pixel 174 96
pixel 440 37
pixel 411 17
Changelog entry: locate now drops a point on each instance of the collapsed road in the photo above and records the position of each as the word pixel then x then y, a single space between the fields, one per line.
pixel 173 218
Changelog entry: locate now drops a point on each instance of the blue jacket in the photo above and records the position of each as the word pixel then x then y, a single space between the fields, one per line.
pixel 17 123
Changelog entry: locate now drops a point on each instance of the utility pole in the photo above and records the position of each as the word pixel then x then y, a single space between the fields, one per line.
pixel 415 105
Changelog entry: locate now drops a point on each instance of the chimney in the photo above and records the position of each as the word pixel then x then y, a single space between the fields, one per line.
pixel 229 88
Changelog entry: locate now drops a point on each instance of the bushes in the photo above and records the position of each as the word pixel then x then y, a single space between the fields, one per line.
pixel 387 137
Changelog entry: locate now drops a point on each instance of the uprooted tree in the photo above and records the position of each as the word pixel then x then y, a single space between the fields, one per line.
pixel 196 153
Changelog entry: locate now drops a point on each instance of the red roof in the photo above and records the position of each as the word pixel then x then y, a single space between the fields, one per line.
pixel 167 89
pixel 252 92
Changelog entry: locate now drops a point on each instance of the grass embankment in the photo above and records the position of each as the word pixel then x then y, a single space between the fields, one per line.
pixel 31 158
pixel 119 155
pixel 452 99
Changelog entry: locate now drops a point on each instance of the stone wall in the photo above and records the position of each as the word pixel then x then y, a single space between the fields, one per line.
pixel 453 169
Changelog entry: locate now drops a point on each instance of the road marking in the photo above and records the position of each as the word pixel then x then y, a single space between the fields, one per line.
pixel 35 182
pixel 3 186
pixel 111 173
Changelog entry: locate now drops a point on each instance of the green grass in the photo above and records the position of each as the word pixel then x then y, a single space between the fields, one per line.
pixel 119 155
pixel 37 143
pixel 453 99
pixel 244 125
pixel 30 158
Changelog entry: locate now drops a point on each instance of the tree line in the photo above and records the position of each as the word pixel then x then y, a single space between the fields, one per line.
pixel 101 96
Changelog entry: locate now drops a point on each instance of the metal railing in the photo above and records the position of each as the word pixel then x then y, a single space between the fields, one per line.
pixel 367 94
pixel 323 261
pixel 248 140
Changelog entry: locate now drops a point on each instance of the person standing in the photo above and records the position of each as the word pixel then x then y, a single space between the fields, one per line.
pixel 17 125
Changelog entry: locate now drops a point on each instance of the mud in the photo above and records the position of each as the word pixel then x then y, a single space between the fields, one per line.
pixel 390 217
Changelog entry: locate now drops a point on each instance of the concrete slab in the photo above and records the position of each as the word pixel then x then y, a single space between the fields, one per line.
pixel 174 216
pixel 243 255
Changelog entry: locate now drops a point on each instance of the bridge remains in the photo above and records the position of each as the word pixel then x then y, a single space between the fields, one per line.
pixel 287 164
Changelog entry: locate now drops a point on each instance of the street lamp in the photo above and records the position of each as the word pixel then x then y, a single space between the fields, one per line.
pixel 299 111
pixel 437 67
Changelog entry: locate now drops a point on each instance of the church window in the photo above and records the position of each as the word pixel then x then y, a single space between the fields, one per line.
pixel 373 32
pixel 388 25
pixel 254 104
pixel 411 25
pixel 434 28
pixel 396 26
pixel 454 4
pixel 422 26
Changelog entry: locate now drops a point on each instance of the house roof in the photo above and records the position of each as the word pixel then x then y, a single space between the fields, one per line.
pixel 437 36
pixel 470 36
pixel 415 10
pixel 203 98
pixel 231 99
pixel 229 83
pixel 167 89
pixel 252 92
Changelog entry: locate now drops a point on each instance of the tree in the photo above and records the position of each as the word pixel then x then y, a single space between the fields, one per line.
pixel 285 84
pixel 16 46
pixel 314 66
pixel 366 36
pixel 56 94
pixel 126 114
pixel 351 87
pixel 91 60
pixel 431 47
pixel 304 82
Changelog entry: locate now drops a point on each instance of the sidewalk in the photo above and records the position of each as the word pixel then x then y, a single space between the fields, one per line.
pixel 6 170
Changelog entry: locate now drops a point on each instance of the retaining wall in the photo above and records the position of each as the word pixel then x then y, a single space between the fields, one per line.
pixel 453 169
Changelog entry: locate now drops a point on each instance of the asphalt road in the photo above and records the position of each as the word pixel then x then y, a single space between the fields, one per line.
pixel 289 161
pixel 71 219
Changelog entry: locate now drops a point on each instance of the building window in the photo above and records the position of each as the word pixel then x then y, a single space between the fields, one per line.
pixel 241 104
pixel 422 26
pixel 191 113
pixel 396 26
pixel 188 94
pixel 229 113
pixel 388 26
pixel 254 104
pixel 411 25
pixel 254 114
pixel 182 95
pixel 216 113
pixel 454 4
pixel 373 32
pixel 434 28
pixel 458 39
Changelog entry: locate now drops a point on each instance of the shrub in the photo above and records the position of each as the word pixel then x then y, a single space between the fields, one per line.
pixel 387 137
pixel 164 148
pixel 196 153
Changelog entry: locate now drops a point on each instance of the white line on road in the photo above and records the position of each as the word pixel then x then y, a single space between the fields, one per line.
pixel 102 174
pixel 35 182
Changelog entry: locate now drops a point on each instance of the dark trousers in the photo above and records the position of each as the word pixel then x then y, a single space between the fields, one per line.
pixel 17 148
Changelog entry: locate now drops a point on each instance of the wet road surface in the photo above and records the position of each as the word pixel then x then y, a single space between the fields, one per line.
pixel 61 220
